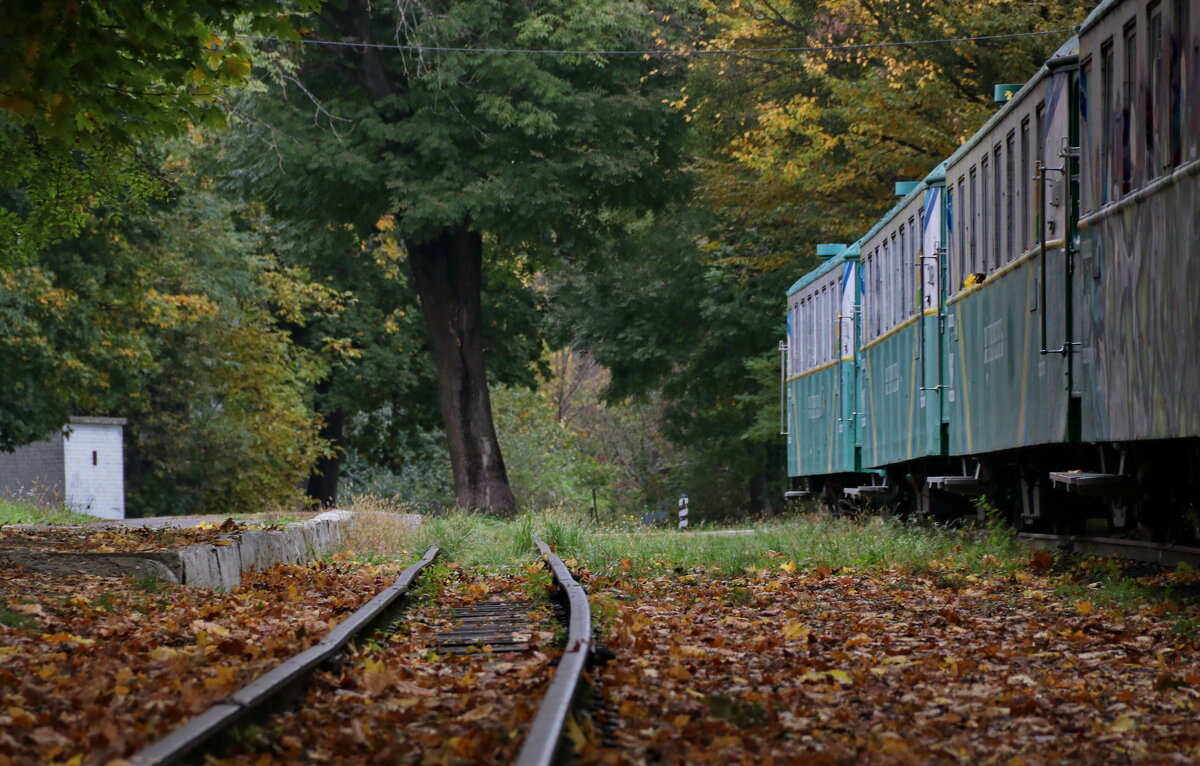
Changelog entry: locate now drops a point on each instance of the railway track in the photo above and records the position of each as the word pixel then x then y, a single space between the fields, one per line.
pixel 488 633
pixel 1136 550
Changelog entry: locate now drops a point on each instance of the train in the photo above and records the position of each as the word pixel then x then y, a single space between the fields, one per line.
pixel 1021 331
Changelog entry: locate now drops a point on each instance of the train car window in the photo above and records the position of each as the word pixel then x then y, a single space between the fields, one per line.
pixel 835 325
pixel 897 279
pixel 961 271
pixel 1039 130
pixel 881 267
pixel 832 337
pixel 1175 79
pixel 1128 104
pixel 951 250
pixel 895 271
pixel 801 333
pixel 797 335
pixel 868 298
pixel 985 209
pixel 1026 170
pixel 973 267
pixel 997 204
pixel 1108 117
pixel 1010 151
pixel 810 345
pixel 903 273
pixel 826 323
pixel 1154 93
pixel 885 319
pixel 914 237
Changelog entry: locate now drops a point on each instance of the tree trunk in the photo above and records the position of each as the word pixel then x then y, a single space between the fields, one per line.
pixel 323 482
pixel 448 274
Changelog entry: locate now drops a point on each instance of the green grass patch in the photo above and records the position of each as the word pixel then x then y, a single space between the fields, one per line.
pixel 16 620
pixel 802 541
pixel 31 513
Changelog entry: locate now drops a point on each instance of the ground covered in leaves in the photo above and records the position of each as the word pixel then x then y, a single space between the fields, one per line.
pixel 402 699
pixel 116 539
pixel 93 668
pixel 888 666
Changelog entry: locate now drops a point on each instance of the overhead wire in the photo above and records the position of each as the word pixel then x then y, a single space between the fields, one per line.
pixel 654 52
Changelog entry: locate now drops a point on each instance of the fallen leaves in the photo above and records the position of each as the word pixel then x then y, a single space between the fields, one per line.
pixel 92 668
pixel 113 539
pixel 397 699
pixel 889 666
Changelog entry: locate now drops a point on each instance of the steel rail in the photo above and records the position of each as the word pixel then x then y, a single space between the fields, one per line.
pixel 188 738
pixel 1136 550
pixel 545 736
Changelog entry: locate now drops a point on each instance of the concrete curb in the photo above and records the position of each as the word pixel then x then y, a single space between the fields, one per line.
pixel 204 566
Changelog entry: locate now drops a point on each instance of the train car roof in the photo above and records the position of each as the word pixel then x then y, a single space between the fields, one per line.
pixel 1098 13
pixel 853 251
pixel 831 263
pixel 1062 56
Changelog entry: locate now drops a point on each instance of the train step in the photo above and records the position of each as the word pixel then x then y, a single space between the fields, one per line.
pixel 1084 483
pixel 874 490
pixel 959 485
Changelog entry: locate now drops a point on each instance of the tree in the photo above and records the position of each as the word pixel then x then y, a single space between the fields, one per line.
pixel 460 152
pixel 173 318
pixel 84 82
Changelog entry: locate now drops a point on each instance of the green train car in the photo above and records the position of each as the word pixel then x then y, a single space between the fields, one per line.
pixel 1024 324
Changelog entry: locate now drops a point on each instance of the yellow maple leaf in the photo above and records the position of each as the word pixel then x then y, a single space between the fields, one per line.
pixel 214 628
pixel 575 734
pixel 373 665
pixel 1124 723
pixel 67 638
pixel 789 567
pixel 841 677
pixel 796 631
pixel 1083 607
pixel 222 677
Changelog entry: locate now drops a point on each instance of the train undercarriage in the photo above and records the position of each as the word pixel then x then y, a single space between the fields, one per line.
pixel 1144 490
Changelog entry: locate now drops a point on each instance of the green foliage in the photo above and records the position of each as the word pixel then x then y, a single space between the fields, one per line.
pixel 681 319
pixel 167 318
pixel 546 463
pixel 415 468
pixel 84 82
pixel 537 154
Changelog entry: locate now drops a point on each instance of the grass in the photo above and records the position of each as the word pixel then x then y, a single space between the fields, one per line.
pixel 945 556
pixel 805 540
pixel 17 512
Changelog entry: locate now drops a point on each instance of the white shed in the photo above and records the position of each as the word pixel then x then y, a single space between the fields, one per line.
pixel 83 467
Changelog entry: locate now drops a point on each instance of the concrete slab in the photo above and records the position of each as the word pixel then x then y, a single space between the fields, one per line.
pixel 202 566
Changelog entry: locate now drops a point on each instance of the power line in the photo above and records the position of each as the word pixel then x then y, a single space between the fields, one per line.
pixel 657 52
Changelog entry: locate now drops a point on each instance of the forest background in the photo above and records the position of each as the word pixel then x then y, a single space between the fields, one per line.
pixel 215 218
